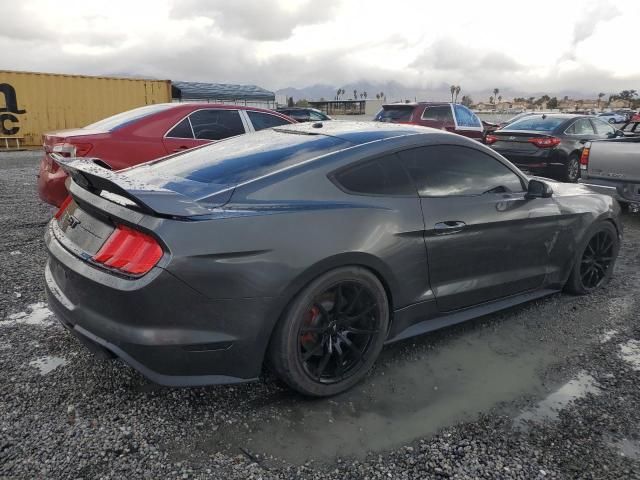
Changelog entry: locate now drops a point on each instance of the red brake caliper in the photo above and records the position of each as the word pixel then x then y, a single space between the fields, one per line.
pixel 310 321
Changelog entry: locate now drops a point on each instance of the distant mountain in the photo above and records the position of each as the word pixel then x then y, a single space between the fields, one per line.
pixel 396 92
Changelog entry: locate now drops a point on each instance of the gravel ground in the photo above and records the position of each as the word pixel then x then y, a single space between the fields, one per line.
pixel 548 390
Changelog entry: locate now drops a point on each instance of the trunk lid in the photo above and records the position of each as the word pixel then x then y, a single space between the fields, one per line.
pixel 617 160
pixel 517 141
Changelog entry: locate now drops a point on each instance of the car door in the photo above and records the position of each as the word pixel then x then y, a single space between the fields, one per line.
pixel 603 129
pixel 261 120
pixel 467 123
pixel 484 239
pixel 577 134
pixel 203 126
pixel 438 116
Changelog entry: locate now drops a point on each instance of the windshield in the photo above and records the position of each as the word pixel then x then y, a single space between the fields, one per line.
pixel 204 171
pixel 394 114
pixel 126 118
pixel 540 124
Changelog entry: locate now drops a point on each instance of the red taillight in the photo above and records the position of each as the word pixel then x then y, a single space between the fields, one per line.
pixel 490 139
pixel 584 157
pixel 63 207
pixel 72 149
pixel 129 251
pixel 545 142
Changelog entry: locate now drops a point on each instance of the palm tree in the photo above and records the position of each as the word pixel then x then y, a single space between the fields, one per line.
pixel 500 99
pixel 457 92
pixel 365 95
pixel 382 96
pixel 355 94
pixel 600 95
pixel 490 99
pixel 453 90
pixel 377 96
pixel 495 93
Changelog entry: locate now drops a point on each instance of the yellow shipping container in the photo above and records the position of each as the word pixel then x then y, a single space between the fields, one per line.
pixel 34 103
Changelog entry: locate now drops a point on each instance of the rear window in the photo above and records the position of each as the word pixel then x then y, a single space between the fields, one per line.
pixel 203 171
pixel 127 118
pixel 394 114
pixel 540 124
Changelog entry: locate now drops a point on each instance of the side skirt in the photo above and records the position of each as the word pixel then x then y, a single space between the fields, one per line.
pixel 460 316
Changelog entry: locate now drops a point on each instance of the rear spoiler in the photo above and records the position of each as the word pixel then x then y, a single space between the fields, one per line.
pixel 111 185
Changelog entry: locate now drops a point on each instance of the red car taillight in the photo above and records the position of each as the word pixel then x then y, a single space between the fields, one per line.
pixel 63 207
pixel 584 157
pixel 129 251
pixel 72 149
pixel 490 139
pixel 545 142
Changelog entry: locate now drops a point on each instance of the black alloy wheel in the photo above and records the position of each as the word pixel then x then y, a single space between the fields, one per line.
pixel 337 331
pixel 596 260
pixel 573 169
pixel 594 266
pixel 332 332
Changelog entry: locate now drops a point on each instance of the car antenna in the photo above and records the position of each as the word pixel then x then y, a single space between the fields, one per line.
pixel 544 116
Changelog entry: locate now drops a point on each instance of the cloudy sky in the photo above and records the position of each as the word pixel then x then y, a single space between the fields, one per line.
pixel 548 46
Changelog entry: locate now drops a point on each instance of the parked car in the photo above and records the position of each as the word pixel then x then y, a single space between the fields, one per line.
pixel 308 247
pixel 613 167
pixel 451 117
pixel 300 114
pixel 144 134
pixel 613 117
pixel 549 144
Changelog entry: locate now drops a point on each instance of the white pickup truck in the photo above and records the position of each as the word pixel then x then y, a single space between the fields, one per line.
pixel 613 167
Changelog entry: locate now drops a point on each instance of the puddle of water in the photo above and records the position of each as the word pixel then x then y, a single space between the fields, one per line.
pixel 48 364
pixel 627 448
pixel 608 335
pixel 548 409
pixel 402 401
pixel 38 314
pixel 630 353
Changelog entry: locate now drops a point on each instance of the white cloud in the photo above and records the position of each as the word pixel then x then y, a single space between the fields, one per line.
pixel 552 47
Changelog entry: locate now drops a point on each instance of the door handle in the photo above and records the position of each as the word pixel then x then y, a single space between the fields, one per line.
pixel 449 227
pixel 180 148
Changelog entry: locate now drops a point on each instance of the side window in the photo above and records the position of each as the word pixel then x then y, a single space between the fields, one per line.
pixel 581 126
pixel 261 120
pixel 382 176
pixel 441 113
pixel 466 118
pixel 316 116
pixel 181 130
pixel 449 170
pixel 602 128
pixel 213 124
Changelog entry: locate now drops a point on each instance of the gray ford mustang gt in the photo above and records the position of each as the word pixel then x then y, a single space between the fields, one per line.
pixel 308 247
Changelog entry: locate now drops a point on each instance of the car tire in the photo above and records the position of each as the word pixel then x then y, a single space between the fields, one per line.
pixel 572 169
pixel 590 270
pixel 612 121
pixel 317 348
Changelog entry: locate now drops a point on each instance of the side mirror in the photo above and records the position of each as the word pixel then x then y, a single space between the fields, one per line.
pixel 538 189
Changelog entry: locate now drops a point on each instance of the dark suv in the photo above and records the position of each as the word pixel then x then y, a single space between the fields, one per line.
pixel 300 114
pixel 451 117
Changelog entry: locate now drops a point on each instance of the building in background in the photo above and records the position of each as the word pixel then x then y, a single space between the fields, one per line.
pixel 340 107
pixel 251 95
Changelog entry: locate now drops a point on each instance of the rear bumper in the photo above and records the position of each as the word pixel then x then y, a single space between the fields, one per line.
pixel 541 161
pixel 157 324
pixel 51 187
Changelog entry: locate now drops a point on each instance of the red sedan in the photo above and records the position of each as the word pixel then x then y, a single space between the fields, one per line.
pixel 147 133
